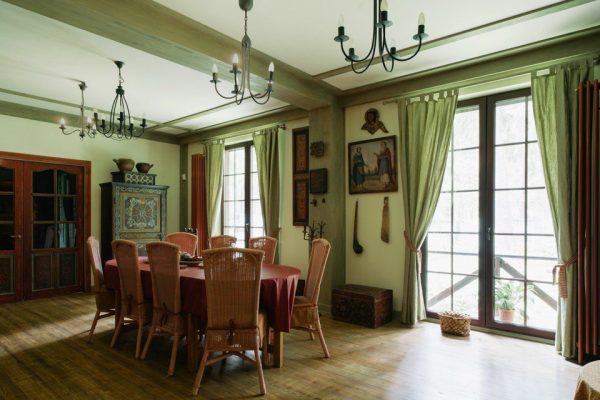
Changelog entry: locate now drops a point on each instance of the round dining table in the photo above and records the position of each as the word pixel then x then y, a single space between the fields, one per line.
pixel 277 291
pixel 588 387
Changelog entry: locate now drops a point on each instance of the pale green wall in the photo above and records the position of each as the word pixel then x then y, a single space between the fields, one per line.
pixel 380 264
pixel 33 137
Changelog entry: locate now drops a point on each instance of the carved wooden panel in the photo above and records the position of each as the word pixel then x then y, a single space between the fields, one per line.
pixel 7 275
pixel 67 269
pixel 41 272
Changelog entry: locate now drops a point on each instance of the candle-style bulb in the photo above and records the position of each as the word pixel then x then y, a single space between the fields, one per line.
pixel 341 20
pixel 89 120
pixel 215 69
pixel 236 59
pixel 62 122
pixel 421 19
pixel 384 5
pixel 271 67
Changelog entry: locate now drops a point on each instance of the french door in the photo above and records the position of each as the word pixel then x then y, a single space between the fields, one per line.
pixel 41 229
pixel 491 248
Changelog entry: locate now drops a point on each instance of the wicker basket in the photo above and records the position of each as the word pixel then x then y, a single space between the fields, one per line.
pixel 455 323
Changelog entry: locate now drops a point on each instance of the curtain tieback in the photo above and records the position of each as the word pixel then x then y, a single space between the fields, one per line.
pixel 411 246
pixel 562 276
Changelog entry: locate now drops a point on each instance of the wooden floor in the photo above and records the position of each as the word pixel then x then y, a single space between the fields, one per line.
pixel 44 355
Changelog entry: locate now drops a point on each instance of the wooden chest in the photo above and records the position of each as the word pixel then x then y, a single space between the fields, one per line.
pixel 362 305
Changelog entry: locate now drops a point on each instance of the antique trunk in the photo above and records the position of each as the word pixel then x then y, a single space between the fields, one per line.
pixel 133 212
pixel 362 305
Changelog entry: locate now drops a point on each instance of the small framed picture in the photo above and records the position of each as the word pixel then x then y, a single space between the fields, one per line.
pixel 300 151
pixel 372 166
pixel 300 202
pixel 318 181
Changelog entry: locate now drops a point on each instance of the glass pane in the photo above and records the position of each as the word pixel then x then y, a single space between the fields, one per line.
pixel 535 171
pixel 439 262
pixel 240 161
pixel 67 270
pixel 7 275
pixel 541 246
pixel 438 242
pixel 442 218
pixel 510 121
pixel 67 209
pixel 240 187
pixel 228 213
pixel 43 181
pixel 509 211
pixel 253 167
pixel 509 245
pixel 510 167
pixel 67 235
pixel 66 182
pixel 466 128
pixel 540 270
pixel 254 190
pixel 6 242
pixel 228 231
pixel 229 165
pixel 240 234
pixel 531 129
pixel 7 177
pixel 466 169
pixel 256 232
pixel 438 291
pixel 239 219
pixel 466 212
pixel 43 208
pixel 509 267
pixel 43 236
pixel 465 264
pixel 466 243
pixel 227 188
pixel 42 272
pixel 542 306
pixel 7 211
pixel 256 220
pixel 447 180
pixel 509 301
pixel 539 217
pixel 466 295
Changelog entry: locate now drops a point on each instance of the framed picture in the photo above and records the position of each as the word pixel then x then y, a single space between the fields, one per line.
pixel 300 202
pixel 300 151
pixel 372 166
pixel 318 181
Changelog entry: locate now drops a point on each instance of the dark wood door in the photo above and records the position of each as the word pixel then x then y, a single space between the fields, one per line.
pixel 11 230
pixel 53 237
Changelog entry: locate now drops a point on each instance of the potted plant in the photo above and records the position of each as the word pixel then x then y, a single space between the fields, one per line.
pixel 507 295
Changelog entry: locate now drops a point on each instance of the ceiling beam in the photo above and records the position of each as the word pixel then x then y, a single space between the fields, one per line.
pixel 191 116
pixel 246 124
pixel 478 30
pixel 53 117
pixel 496 66
pixel 158 30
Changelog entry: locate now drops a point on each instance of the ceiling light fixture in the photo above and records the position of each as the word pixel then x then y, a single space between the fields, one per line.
pixel 240 85
pixel 119 125
pixel 87 127
pixel 379 41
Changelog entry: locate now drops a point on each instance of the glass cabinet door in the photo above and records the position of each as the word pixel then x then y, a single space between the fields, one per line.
pixel 11 227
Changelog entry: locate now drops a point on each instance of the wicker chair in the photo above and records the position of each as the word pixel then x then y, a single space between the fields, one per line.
pixel 218 242
pixel 187 242
pixel 305 315
pixel 267 244
pixel 133 306
pixel 166 296
pixel 233 326
pixel 105 299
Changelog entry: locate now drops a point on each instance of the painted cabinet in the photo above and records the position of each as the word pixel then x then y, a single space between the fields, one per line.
pixel 132 212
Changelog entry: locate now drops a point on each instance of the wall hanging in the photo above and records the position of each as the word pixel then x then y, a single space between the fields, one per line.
pixel 372 123
pixel 355 245
pixel 372 166
pixel 385 221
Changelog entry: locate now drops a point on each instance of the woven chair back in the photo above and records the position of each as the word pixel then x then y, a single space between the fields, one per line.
pixel 163 258
pixel 316 268
pixel 93 249
pixel 267 244
pixel 218 242
pixel 126 254
pixel 187 242
pixel 232 277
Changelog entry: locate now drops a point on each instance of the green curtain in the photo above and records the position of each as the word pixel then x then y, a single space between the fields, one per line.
pixel 266 145
pixel 214 153
pixel 555 113
pixel 425 134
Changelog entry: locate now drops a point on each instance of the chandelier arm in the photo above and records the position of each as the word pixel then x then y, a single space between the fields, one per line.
pixel 72 131
pixel 219 93
pixel 412 56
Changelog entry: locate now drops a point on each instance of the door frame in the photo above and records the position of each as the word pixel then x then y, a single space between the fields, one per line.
pixel 17 251
pixel 86 200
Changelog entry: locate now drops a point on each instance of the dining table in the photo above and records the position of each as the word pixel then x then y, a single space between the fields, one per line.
pixel 588 386
pixel 277 292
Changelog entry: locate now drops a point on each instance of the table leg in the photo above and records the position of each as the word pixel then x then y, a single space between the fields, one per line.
pixel 192 343
pixel 277 349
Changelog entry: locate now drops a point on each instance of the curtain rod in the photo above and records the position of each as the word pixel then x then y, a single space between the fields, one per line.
pixel 230 135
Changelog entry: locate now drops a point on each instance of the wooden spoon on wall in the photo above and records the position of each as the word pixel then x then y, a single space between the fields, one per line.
pixel 355 245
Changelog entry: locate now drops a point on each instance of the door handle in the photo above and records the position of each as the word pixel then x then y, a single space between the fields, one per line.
pixel 15 236
pixel 489 233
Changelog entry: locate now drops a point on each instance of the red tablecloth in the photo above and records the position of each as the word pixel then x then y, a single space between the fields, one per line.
pixel 277 290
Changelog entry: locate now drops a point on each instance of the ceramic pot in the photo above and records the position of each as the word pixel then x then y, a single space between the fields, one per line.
pixel 124 164
pixel 143 167
pixel 507 315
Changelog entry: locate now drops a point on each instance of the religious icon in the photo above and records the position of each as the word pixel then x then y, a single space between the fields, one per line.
pixel 372 122
pixel 372 166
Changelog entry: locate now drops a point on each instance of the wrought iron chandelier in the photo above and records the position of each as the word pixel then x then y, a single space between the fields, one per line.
pixel 379 41
pixel 243 83
pixel 86 128
pixel 119 125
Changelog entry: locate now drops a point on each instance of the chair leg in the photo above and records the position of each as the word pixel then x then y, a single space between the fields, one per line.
pixel 312 335
pixel 138 342
pixel 148 341
pixel 265 348
pixel 93 328
pixel 321 338
pixel 173 355
pixel 117 331
pixel 261 378
pixel 200 372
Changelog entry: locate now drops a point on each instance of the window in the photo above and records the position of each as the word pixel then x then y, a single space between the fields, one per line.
pixel 242 214
pixel 490 249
